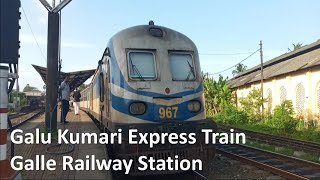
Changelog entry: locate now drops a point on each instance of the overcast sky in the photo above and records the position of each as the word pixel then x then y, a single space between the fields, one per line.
pixel 225 32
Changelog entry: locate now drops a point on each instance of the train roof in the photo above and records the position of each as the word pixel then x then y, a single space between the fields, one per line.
pixel 147 32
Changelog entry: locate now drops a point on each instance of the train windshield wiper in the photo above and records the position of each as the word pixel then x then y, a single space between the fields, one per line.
pixel 135 69
pixel 191 71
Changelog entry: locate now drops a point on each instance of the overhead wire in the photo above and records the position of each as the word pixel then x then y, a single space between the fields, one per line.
pixel 34 37
pixel 223 54
pixel 235 64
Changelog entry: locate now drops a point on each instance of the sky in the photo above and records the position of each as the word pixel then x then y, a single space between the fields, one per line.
pixel 225 32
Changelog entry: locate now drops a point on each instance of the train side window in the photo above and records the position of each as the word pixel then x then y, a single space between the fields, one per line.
pixel 141 65
pixel 182 66
pixel 101 87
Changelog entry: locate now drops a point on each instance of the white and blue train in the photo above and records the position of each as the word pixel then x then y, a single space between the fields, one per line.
pixel 149 78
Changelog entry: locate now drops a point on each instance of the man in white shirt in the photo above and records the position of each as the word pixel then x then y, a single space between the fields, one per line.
pixel 76 101
pixel 65 98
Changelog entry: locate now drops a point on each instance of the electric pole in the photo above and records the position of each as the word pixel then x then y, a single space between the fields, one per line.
pixel 261 62
pixel 53 48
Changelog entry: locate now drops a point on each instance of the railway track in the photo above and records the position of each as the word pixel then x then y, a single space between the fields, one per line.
pixel 24 110
pixel 17 121
pixel 187 175
pixel 284 166
pixel 276 140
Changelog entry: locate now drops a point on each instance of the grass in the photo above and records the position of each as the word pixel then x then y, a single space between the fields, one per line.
pixel 285 151
pixel 312 134
pixel 311 157
pixel 261 146
pixel 12 112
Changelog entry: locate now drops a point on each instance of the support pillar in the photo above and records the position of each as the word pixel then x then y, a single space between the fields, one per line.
pixel 6 172
pixel 52 70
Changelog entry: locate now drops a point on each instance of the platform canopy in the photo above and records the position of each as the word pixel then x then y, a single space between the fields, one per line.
pixel 76 78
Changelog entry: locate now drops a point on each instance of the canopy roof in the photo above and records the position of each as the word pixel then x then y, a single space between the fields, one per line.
pixel 76 78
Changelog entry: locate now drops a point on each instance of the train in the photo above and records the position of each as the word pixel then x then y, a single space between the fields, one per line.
pixel 149 79
pixel 36 102
pixel 35 99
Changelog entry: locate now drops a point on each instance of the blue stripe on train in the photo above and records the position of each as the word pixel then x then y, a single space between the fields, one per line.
pixel 152 110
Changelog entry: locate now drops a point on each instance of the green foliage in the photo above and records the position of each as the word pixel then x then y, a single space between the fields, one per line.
pixel 23 102
pixel 283 118
pixel 295 46
pixel 82 87
pixel 23 98
pixel 217 94
pixel 251 105
pixel 280 123
pixel 29 88
pixel 288 151
pixel 310 134
pixel 239 69
pixel 230 115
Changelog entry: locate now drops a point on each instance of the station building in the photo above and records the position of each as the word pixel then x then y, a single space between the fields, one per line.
pixel 292 76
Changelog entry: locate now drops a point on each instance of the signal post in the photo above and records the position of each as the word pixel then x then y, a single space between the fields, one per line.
pixel 9 55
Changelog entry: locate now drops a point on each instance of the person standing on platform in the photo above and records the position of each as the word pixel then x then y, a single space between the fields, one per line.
pixel 76 101
pixel 65 98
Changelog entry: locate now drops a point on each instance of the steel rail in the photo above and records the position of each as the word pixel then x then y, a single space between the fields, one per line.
pixel 269 161
pixel 16 125
pixel 200 175
pixel 276 140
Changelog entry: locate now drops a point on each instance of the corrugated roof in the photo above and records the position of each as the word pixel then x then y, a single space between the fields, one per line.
pixel 305 57
pixel 76 78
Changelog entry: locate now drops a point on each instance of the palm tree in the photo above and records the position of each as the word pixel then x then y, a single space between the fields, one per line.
pixel 295 46
pixel 239 68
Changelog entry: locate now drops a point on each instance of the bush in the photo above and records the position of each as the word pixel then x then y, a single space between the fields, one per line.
pixel 230 115
pixel 23 102
pixel 251 105
pixel 283 118
pixel 217 94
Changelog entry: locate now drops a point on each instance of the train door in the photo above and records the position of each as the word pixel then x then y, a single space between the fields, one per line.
pixel 91 98
pixel 105 94
pixel 108 98
pixel 102 96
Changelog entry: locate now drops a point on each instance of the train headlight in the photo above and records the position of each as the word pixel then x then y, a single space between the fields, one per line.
pixel 194 106
pixel 137 108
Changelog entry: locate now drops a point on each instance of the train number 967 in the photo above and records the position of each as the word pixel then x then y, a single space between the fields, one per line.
pixel 168 112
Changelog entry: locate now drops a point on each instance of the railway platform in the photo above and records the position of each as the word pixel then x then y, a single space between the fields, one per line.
pixel 78 124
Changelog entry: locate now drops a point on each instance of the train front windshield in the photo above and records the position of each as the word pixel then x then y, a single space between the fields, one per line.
pixel 142 65
pixel 182 66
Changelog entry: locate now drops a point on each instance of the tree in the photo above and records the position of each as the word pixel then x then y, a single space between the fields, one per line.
pixel 217 94
pixel 22 96
pixel 239 68
pixel 295 46
pixel 29 88
pixel 252 104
